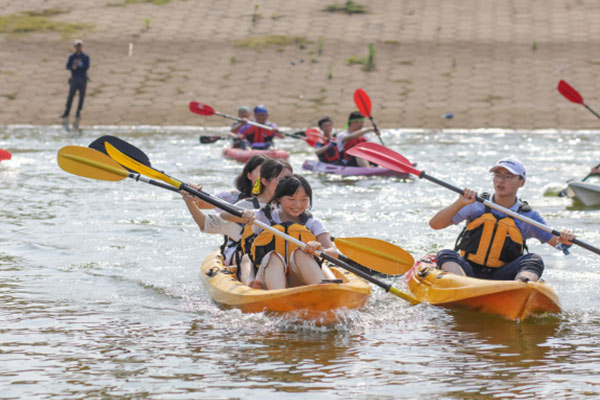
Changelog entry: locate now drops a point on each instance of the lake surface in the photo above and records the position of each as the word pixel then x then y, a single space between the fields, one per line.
pixel 101 296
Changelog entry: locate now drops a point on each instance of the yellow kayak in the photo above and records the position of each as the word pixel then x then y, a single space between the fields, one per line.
pixel 514 300
pixel 310 302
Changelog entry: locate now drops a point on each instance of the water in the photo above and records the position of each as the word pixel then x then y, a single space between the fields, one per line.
pixel 100 294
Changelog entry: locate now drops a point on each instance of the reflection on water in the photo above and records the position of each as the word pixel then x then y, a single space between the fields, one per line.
pixel 100 292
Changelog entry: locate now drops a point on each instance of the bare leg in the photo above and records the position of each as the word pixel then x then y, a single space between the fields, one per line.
pixel 275 273
pixel 453 268
pixel 246 270
pixel 361 162
pixel 305 269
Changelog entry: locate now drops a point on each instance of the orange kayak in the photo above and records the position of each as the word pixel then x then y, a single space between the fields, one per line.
pixel 318 302
pixel 514 300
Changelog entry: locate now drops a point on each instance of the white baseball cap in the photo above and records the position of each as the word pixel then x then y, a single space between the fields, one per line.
pixel 78 41
pixel 512 164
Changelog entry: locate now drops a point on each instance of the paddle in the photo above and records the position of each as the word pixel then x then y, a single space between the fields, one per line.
pixel 313 136
pixel 375 255
pixel 151 172
pixel 363 103
pixel 205 109
pixel 573 95
pixel 5 155
pixel 390 159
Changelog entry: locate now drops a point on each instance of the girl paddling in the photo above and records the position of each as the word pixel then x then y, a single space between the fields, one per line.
pixel 279 263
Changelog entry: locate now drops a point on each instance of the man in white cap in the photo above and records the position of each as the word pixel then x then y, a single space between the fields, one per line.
pixel 492 244
pixel 78 63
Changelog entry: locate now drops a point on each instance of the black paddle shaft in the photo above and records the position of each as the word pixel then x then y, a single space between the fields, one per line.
pixel 458 190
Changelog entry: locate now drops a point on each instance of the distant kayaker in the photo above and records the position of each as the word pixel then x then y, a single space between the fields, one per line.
pixel 328 151
pixel 353 135
pixel 257 137
pixel 492 244
pixel 282 264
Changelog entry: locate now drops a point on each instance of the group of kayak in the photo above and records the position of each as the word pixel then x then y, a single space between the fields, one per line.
pixel 253 268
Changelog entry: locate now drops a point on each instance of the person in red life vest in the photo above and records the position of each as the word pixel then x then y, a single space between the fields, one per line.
pixel 327 152
pixel 492 244
pixel 257 137
pixel 353 135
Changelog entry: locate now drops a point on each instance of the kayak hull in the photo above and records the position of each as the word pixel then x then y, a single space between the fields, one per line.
pixel 317 166
pixel 318 302
pixel 245 155
pixel 514 300
pixel 587 193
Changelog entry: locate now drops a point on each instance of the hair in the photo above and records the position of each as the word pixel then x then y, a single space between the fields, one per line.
pixel 289 185
pixel 355 115
pixel 270 169
pixel 324 120
pixel 241 182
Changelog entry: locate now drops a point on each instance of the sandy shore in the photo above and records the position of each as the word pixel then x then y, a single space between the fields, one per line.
pixel 490 63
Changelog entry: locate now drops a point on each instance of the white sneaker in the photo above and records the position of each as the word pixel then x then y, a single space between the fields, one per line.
pixel 76 123
pixel 65 123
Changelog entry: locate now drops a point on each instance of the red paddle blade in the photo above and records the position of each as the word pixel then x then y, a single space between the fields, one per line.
pixel 571 94
pixel 5 155
pixel 363 102
pixel 383 157
pixel 313 137
pixel 202 109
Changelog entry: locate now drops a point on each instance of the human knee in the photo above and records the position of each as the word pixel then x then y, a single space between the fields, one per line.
pixel 531 267
pixel 444 256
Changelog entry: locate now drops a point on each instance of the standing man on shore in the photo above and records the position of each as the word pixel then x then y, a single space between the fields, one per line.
pixel 78 63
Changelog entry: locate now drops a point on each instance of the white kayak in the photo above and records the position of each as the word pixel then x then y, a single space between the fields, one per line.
pixel 587 193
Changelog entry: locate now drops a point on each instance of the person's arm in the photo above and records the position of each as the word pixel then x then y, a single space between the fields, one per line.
pixel 85 62
pixel 248 217
pixel 356 134
pixel 197 215
pixel 235 128
pixel 595 171
pixel 443 218
pixel 70 62
pixel 321 150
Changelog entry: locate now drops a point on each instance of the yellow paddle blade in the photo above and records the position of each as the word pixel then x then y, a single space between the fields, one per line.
pixel 404 296
pixel 376 254
pixel 90 163
pixel 137 166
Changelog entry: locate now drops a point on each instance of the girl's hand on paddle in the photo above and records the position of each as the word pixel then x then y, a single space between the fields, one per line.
pixel 468 197
pixel 312 247
pixel 331 252
pixel 187 195
pixel 595 171
pixel 248 216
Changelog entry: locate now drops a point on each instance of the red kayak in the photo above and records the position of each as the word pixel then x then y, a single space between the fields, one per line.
pixel 5 155
pixel 244 155
pixel 342 170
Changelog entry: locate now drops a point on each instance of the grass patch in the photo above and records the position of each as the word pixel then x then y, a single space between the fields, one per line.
pixel 155 2
pixel 23 23
pixel 368 62
pixel 49 12
pixel 259 42
pixel 492 98
pixel 594 62
pixel 402 81
pixel 320 101
pixel 406 62
pixel 10 96
pixel 349 7
pixel 394 42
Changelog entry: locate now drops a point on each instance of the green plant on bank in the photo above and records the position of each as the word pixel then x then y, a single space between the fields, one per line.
pixel 534 46
pixel 368 62
pixel 594 62
pixel 349 7
pixel 320 46
pixel 259 42
pixel 155 2
pixel 10 96
pixel 24 23
pixel 255 15
pixel 147 23
pixel 233 60
pixel 330 75
pixel 491 98
pixel 49 12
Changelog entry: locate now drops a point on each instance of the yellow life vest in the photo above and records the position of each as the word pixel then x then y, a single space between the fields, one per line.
pixel 266 241
pixel 492 242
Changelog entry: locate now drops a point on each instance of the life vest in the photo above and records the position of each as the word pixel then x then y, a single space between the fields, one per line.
pixel 331 155
pixel 267 241
pixel 492 242
pixel 255 134
pixel 350 144
pixel 238 244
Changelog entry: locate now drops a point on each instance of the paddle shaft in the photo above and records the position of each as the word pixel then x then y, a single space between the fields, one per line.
pixel 506 211
pixel 592 111
pixel 238 213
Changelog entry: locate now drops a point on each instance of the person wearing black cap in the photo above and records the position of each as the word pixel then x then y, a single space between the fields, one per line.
pixel 78 63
